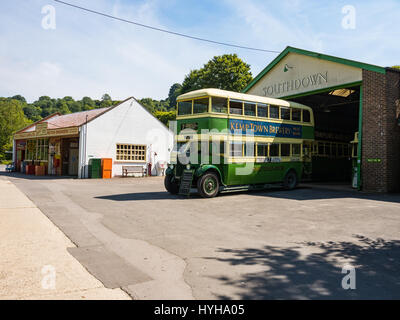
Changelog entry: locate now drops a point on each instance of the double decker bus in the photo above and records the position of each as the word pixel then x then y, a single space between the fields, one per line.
pixel 240 142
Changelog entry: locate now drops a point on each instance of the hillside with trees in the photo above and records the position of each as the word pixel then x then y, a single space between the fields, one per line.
pixel 227 72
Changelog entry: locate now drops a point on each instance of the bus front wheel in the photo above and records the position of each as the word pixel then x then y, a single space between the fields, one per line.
pixel 171 186
pixel 208 185
pixel 290 181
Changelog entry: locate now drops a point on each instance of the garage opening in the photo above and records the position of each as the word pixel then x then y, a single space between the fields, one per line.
pixel 336 115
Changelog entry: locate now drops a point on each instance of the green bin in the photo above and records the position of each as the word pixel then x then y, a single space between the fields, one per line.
pixel 94 168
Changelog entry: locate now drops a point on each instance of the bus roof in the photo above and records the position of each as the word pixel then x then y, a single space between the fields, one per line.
pixel 239 96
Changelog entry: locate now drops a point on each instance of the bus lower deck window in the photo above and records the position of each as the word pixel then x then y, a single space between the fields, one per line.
pixel 200 105
pixel 236 149
pixel 249 109
pixel 285 150
pixel 217 147
pixel 262 150
pixel 274 112
pixel 306 116
pixel 285 113
pixel 262 110
pixel 249 149
pixel 235 107
pixel 274 150
pixel 219 105
pixel 184 107
pixel 296 149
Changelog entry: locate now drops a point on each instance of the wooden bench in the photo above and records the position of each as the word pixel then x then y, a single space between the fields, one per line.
pixel 133 169
pixel 10 168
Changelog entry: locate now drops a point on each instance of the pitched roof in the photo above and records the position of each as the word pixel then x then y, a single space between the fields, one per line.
pixel 317 55
pixel 68 120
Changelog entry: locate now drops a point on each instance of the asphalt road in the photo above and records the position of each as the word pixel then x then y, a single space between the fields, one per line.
pixel 273 244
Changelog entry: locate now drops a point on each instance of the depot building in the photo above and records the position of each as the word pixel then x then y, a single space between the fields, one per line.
pixel 64 144
pixel 352 102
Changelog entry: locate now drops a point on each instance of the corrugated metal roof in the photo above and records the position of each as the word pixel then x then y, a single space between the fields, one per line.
pixel 69 120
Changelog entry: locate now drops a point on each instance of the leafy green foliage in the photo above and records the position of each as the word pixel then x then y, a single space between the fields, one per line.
pixel 165 116
pixel 154 105
pixel 12 118
pixel 227 72
pixel 174 91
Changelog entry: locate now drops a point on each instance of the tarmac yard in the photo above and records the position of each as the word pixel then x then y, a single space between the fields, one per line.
pixel 131 234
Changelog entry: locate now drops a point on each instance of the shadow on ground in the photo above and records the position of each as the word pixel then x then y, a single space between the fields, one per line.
pixel 300 194
pixel 163 195
pixel 33 177
pixel 290 275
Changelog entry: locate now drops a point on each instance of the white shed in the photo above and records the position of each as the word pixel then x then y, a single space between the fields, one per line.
pixel 63 144
pixel 127 133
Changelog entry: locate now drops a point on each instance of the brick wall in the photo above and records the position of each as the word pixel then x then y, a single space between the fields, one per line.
pixel 380 133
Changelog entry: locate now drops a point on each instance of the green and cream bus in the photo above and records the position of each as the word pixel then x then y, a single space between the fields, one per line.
pixel 228 141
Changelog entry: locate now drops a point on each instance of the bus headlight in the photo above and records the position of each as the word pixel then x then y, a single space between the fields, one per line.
pixel 188 166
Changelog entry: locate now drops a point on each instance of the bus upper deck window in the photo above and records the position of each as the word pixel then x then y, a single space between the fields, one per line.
pixel 296 114
pixel 235 107
pixel 200 105
pixel 274 112
pixel 249 109
pixel 219 105
pixel 184 107
pixel 285 113
pixel 262 110
pixel 306 116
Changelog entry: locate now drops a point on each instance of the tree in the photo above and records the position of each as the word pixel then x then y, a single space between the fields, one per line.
pixel 397 67
pixel 106 101
pixel 19 98
pixel 174 91
pixel 106 97
pixel 12 118
pixel 88 104
pixel 227 72
pixel 165 116
pixel 62 106
pixel 32 112
pixel 46 105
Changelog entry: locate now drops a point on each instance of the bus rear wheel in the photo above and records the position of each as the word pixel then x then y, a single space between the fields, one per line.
pixel 171 186
pixel 208 185
pixel 290 181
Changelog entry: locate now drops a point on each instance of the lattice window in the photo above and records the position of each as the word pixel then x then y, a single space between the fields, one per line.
pixel 131 152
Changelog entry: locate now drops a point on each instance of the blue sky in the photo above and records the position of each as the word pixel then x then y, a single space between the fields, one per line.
pixel 88 55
